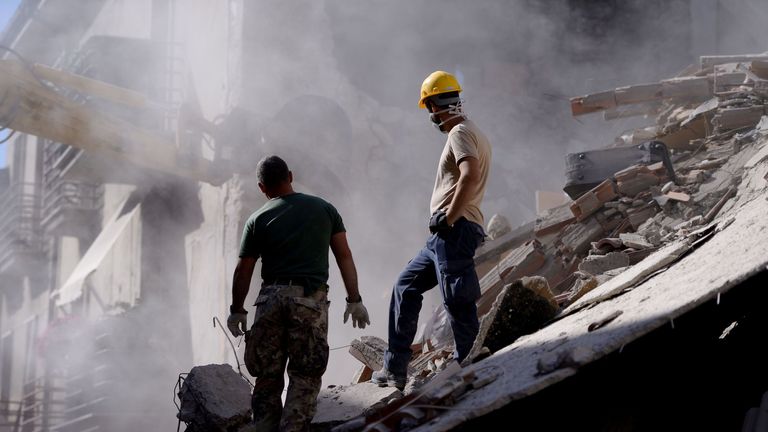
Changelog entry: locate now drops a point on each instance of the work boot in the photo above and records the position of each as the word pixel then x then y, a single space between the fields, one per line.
pixel 386 378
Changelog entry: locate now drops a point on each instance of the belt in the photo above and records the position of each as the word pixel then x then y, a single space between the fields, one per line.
pixel 285 281
pixel 301 282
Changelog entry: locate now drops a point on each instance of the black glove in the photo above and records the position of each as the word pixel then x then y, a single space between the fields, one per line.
pixel 438 222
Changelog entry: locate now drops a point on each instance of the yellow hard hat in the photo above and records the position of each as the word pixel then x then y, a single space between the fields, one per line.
pixel 436 83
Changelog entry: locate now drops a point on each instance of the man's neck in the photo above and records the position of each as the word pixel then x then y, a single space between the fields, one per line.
pixel 451 124
pixel 281 192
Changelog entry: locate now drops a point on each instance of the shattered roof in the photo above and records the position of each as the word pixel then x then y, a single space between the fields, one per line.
pixel 687 242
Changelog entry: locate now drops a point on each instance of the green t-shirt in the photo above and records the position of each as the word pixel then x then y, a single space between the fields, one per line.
pixel 291 234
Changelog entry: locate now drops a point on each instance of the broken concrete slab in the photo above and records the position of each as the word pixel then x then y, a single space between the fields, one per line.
pixel 578 238
pixel 553 220
pixel 678 196
pixel 369 350
pixel 214 398
pixel 635 241
pixel 583 283
pixel 598 264
pixel 635 274
pixel 338 404
pixel 522 307
pixel 522 261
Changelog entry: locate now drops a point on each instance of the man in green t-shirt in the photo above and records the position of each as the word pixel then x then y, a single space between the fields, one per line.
pixel 291 234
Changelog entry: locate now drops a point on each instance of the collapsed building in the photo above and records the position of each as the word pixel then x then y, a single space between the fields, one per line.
pixel 655 246
pixel 110 270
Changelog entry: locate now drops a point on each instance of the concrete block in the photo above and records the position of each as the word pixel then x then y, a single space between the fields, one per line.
pixel 215 398
pixel 339 404
pixel 522 307
pixel 635 241
pixel 598 264
pixel 593 200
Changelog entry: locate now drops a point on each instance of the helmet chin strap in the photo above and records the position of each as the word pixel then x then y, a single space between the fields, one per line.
pixel 455 109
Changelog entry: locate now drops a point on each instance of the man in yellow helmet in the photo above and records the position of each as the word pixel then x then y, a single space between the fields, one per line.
pixel 456 224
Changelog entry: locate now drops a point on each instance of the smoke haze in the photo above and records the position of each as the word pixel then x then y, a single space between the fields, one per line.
pixel 332 86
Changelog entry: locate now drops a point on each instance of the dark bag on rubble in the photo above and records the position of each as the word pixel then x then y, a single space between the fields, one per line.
pixel 585 170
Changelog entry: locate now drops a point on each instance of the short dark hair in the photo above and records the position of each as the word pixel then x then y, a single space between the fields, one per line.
pixel 272 171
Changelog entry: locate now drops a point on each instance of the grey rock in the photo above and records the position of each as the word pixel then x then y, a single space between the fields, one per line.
pixel 215 398
pixel 598 264
pixel 635 241
pixel 498 226
pixel 339 404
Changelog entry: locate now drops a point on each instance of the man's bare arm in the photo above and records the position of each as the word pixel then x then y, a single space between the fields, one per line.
pixel 469 177
pixel 241 282
pixel 340 249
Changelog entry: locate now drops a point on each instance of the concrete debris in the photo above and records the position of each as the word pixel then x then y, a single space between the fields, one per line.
pixel 498 226
pixel 583 283
pixel 678 196
pixel 521 308
pixel 553 220
pixel 593 200
pixel 635 241
pixel 598 264
pixel 632 225
pixel 214 398
pixel 369 350
pixel 572 358
pixel 522 261
pixel 339 404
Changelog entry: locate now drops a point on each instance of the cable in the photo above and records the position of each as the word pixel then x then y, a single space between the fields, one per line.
pixel 28 65
pixel 10 135
pixel 338 348
pixel 234 351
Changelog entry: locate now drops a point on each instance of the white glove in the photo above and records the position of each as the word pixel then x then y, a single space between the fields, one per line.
pixel 359 314
pixel 237 323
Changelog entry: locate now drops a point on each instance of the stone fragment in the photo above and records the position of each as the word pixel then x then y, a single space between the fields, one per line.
pixel 521 307
pixel 338 404
pixel 584 283
pixel 635 241
pixel 598 264
pixel 678 196
pixel 214 398
pixel 498 226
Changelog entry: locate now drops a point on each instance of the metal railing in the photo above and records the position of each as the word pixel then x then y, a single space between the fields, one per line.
pixel 69 194
pixel 20 221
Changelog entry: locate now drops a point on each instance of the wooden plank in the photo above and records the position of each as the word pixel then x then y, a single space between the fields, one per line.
pixel 523 261
pixel 593 103
pixel 735 118
pixel 553 220
pixel 711 61
pixel 91 87
pixel 578 238
pixel 638 93
pixel 492 250
pixel 686 87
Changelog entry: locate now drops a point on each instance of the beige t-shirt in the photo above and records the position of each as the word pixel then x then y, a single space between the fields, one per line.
pixel 464 140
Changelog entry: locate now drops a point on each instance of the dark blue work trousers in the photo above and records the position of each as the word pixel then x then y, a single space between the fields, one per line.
pixel 447 260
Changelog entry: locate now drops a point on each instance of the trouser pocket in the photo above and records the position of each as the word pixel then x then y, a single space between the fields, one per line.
pixel 263 347
pixel 307 338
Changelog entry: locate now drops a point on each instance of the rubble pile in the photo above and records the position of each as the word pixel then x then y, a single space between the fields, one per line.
pixel 710 122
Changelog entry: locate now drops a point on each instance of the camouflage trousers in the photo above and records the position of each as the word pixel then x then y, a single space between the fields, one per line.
pixel 288 328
